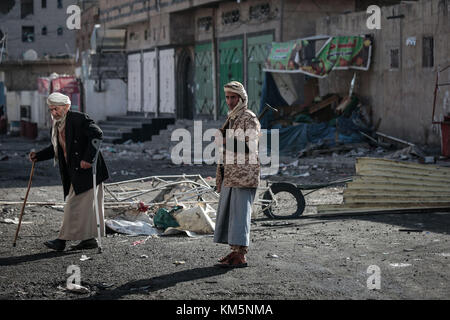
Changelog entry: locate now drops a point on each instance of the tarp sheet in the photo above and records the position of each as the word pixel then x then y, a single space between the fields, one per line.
pixel 343 129
pixel 338 53
pixel 293 139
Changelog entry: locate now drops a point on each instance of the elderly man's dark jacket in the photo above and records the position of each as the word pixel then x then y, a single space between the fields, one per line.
pixel 80 130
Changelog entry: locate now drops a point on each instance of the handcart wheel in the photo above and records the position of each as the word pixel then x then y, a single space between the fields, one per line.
pixel 283 208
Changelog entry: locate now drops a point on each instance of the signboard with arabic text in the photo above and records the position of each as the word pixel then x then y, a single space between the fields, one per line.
pixel 338 53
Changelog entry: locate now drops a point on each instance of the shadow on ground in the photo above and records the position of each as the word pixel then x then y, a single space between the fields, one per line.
pixel 146 286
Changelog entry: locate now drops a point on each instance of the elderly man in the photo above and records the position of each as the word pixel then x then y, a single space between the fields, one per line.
pixel 71 136
pixel 238 177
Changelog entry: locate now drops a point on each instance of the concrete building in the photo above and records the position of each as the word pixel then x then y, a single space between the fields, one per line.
pixel 102 56
pixel 90 16
pixel 38 25
pixel 181 52
pixel 36 43
pixel 409 49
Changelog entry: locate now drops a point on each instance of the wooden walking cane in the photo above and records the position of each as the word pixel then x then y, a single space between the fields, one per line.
pixel 24 203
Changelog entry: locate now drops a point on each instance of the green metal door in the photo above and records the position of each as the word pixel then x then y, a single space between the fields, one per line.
pixel 203 86
pixel 230 67
pixel 257 51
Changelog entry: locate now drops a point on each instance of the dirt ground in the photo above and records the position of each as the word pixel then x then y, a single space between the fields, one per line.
pixel 318 258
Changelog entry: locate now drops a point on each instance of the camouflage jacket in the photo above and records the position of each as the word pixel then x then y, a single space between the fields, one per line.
pixel 237 173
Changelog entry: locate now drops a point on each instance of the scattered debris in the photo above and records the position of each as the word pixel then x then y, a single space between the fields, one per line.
pixel 144 256
pixel 180 202
pixel 197 219
pixel 400 265
pixel 72 287
pixel 277 224
pixel 272 256
pixel 179 262
pixel 85 258
pixel 15 221
pixel 141 241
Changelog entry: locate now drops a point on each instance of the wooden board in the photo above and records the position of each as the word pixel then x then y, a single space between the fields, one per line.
pixel 365 207
pixel 404 164
pixel 401 181
pixel 339 209
pixel 392 187
pixel 385 185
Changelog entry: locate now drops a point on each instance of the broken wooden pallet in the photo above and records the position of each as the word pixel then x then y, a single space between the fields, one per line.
pixel 384 185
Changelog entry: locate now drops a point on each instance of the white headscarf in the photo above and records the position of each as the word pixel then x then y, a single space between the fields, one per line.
pixel 57 99
pixel 237 88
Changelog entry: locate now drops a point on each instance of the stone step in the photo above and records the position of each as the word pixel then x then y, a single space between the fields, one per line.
pixel 114 133
pixel 129 119
pixel 120 128
pixel 121 123
pixel 109 139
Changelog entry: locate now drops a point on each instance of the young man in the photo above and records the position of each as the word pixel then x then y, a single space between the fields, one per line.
pixel 237 180
pixel 71 136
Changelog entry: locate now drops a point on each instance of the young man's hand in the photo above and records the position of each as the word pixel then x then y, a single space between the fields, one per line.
pixel 85 165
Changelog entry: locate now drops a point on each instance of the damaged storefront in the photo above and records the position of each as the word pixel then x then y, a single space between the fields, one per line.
pixel 306 119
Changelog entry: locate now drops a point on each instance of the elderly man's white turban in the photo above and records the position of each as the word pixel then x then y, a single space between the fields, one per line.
pixel 58 99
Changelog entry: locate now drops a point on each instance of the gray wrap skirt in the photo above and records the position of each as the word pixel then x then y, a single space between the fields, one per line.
pixel 233 217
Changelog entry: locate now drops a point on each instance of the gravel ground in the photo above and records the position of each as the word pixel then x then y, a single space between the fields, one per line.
pixel 312 257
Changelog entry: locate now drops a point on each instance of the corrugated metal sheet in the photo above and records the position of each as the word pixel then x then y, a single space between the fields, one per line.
pixel 134 82
pixel 150 86
pixel 167 81
pixel 386 185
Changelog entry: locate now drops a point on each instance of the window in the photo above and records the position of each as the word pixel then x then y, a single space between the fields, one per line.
pixel 395 59
pixel 26 8
pixel 43 4
pixel 204 23
pixel 6 6
pixel 60 4
pixel 44 31
pixel 27 34
pixel 59 31
pixel 428 52
pixel 25 112
pixel 230 17
pixel 259 11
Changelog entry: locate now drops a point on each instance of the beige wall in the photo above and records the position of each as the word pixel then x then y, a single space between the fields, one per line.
pixel 299 17
pixel 401 98
pixel 23 76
